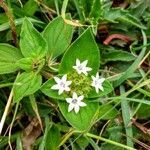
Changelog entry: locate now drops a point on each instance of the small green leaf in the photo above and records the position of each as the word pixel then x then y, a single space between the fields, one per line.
pixel 84 48
pixel 26 84
pixel 58 35
pixel 96 9
pixel 84 118
pixel 9 55
pixel 31 42
pixel 30 64
pixel 107 89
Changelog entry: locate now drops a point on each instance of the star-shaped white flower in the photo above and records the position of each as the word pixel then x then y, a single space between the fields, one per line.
pixel 62 84
pixel 97 83
pixel 75 102
pixel 81 67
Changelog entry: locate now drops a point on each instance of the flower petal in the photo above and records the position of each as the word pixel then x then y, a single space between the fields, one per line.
pixel 75 95
pixel 101 88
pixel 80 98
pixel 64 78
pixel 71 106
pixel 60 91
pixel 97 89
pixel 76 108
pixel 69 100
pixel 77 62
pixel 68 83
pixel 82 104
pixel 101 80
pixel 84 63
pixel 57 80
pixel 97 75
pixel 67 88
pixel 88 69
pixel 55 87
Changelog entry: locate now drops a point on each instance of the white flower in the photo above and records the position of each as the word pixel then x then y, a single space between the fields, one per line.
pixel 81 67
pixel 75 102
pixel 97 83
pixel 62 84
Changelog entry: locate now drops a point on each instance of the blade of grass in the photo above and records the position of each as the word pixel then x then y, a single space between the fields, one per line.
pixel 19 21
pixel 109 141
pixel 126 117
pixel 35 108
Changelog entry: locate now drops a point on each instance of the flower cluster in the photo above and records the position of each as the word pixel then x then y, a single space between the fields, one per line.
pixel 62 84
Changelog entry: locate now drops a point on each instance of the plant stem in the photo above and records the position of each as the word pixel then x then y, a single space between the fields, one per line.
pixel 64 7
pixel 11 21
pixel 6 111
pixel 109 141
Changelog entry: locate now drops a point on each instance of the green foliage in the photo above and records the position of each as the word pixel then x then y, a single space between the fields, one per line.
pixel 9 55
pixel 58 35
pixel 26 84
pixel 42 40
pixel 84 119
pixel 31 42
pixel 84 48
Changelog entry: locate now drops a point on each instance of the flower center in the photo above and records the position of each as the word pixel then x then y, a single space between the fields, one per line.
pixel 62 84
pixel 74 101
pixel 96 82
pixel 80 67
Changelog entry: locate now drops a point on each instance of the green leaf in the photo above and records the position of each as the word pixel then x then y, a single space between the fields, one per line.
pixel 26 84
pixel 117 55
pixel 32 43
pixel 53 139
pixel 9 55
pixel 107 89
pixel 107 111
pixel 84 48
pixel 84 119
pixel 96 9
pixel 58 35
pixel 30 7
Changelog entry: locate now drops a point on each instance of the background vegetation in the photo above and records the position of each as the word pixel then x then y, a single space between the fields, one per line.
pixel 121 29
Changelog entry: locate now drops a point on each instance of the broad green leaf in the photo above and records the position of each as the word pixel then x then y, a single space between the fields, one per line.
pixel 9 55
pixel 84 48
pixel 26 84
pixel 58 35
pixel 31 42
pixel 107 111
pixel 117 55
pixel 84 119
pixel 46 89
pixel 107 89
